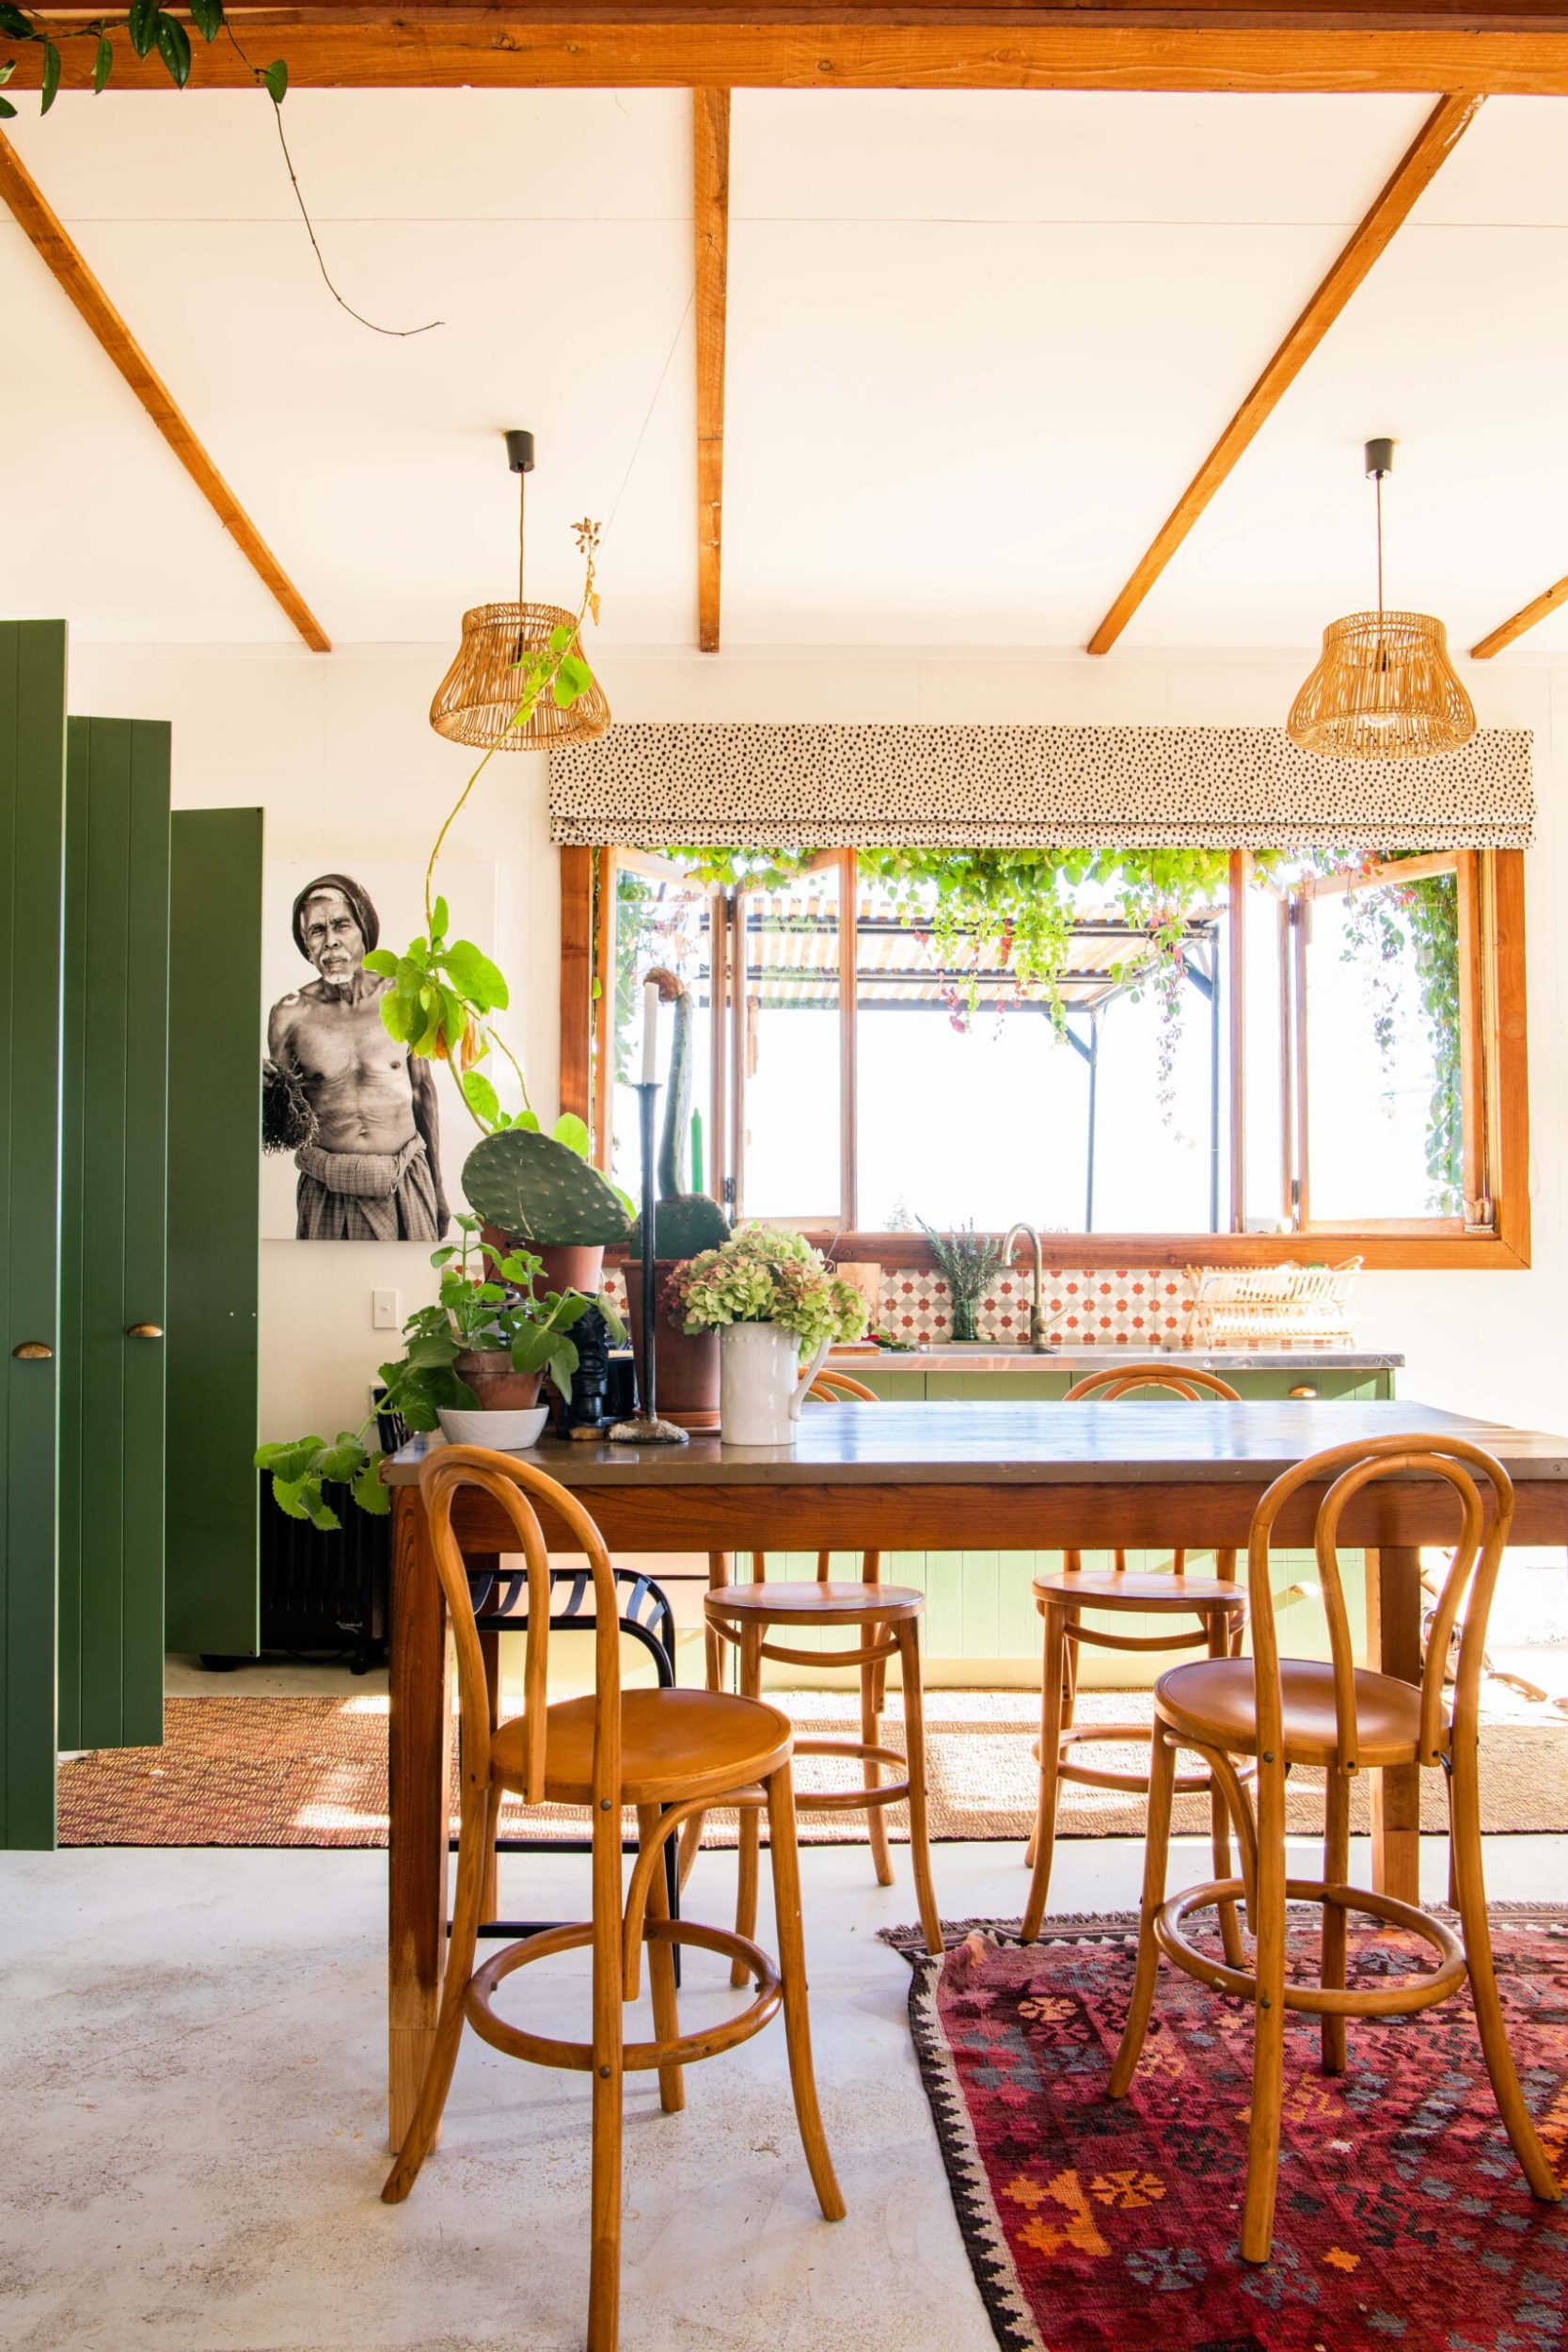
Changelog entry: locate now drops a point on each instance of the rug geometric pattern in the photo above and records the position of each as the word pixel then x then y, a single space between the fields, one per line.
pixel 1403 2221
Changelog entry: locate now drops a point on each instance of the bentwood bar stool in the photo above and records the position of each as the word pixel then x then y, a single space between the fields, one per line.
pixel 1346 1721
pixel 669 1754
pixel 886 1618
pixel 1217 1602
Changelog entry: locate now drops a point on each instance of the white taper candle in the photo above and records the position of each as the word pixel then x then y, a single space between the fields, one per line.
pixel 650 1033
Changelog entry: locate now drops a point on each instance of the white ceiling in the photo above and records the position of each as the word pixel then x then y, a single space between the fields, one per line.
pixel 977 346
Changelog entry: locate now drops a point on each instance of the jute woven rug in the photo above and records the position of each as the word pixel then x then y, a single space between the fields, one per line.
pixel 312 1771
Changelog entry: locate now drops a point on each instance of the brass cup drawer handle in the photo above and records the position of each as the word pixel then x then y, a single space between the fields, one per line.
pixel 1304 1390
pixel 32 1352
pixel 144 1331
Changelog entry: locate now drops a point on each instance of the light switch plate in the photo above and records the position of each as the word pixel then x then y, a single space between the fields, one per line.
pixel 384 1311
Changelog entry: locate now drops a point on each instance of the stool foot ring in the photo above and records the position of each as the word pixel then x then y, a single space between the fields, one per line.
pixel 1403 2000
pixel 578 2057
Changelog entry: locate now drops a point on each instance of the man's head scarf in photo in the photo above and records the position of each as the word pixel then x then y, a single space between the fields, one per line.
pixel 358 900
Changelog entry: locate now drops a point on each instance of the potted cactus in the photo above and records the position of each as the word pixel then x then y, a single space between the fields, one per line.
pixel 528 1188
pixel 685 1223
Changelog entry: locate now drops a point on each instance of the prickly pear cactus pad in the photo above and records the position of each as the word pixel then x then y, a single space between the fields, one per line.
pixel 540 1191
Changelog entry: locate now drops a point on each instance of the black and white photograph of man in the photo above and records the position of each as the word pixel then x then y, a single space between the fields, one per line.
pixel 361 1111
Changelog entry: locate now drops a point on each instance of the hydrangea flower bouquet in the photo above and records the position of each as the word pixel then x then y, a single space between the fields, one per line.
pixel 776 1304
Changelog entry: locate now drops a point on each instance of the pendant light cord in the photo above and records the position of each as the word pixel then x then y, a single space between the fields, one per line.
pixel 522 517
pixel 1378 487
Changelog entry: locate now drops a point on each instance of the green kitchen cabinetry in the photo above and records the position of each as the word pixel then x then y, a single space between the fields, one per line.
pixel 981 1624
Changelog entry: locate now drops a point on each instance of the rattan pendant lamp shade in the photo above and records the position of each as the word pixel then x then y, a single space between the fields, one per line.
pixel 1384 687
pixel 475 701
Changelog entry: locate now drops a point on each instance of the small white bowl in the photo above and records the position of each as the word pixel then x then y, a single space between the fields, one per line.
pixel 503 1433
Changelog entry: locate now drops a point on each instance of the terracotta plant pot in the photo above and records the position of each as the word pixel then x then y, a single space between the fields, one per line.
pixel 687 1373
pixel 568 1265
pixel 499 1389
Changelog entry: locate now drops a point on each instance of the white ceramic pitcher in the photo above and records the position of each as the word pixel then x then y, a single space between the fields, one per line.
pixel 760 1387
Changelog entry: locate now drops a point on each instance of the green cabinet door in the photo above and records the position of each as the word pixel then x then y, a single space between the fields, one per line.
pixel 112 1233
pixel 32 821
pixel 215 1137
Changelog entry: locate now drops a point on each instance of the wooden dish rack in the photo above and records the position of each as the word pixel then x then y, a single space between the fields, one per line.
pixel 1287 1304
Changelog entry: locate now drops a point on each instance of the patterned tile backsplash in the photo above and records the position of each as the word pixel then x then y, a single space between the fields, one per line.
pixel 1132 1308
pixel 1092 1308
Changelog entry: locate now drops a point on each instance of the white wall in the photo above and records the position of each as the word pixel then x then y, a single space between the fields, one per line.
pixel 339 750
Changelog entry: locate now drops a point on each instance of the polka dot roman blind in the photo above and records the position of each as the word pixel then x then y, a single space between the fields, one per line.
pixel 767 786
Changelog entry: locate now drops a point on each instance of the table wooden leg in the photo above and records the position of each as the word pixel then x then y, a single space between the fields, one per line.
pixel 419 1780
pixel 1394 1647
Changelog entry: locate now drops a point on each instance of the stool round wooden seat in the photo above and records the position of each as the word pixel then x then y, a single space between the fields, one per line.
pixel 749 1616
pixel 669 1752
pixel 674 1743
pixel 1291 1711
pixel 1216 1699
pixel 813 1604
pixel 1218 1604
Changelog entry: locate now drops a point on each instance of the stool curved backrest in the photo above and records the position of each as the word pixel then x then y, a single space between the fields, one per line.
pixel 1484 1494
pixel 1186 1381
pixel 837 1387
pixel 514 1486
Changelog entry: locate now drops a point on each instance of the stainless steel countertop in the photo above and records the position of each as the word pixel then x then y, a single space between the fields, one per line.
pixel 999 1358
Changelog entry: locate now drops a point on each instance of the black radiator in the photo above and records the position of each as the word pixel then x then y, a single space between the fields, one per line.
pixel 325 1590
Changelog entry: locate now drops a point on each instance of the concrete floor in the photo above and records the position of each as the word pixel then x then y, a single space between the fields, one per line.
pixel 191 2055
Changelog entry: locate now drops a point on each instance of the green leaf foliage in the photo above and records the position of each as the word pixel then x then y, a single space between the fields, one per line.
pixel 274 80
pixel 481 1097
pixel 141 22
pixel 174 47
pixel 475 977
pixel 207 16
pixel 51 82
pixel 14 25
pixel 103 63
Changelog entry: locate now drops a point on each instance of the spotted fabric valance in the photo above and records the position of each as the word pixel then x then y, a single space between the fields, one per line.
pixel 769 787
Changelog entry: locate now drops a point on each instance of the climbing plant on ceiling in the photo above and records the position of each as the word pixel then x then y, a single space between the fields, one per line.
pixel 150 30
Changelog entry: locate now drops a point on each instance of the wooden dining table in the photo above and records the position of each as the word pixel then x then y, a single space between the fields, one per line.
pixel 1023 1477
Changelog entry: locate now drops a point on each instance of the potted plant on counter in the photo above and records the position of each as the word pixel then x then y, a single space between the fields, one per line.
pixel 775 1303
pixel 967 1263
pixel 473 1367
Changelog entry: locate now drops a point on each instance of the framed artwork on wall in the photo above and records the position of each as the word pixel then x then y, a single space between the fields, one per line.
pixel 354 1129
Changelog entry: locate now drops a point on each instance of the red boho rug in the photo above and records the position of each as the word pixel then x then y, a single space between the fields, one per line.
pixel 1404 2223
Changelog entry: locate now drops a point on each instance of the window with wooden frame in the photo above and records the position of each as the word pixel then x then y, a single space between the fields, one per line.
pixel 1321 1060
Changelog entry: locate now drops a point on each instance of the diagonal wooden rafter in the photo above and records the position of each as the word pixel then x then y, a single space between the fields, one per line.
pixel 711 149
pixel 42 225
pixel 1234 46
pixel 1550 600
pixel 1427 152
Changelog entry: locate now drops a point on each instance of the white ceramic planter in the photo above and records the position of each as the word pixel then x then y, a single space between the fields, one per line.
pixel 761 1387
pixel 503 1433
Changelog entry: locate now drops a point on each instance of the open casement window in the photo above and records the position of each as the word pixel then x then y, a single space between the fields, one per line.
pixel 1386 1078
pixel 1317 1063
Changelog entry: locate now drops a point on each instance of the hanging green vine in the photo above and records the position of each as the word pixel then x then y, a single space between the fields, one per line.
pixel 1382 923
pixel 1016 908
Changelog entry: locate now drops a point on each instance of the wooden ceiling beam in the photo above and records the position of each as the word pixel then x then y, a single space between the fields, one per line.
pixel 1550 600
pixel 711 153
pixel 1352 46
pixel 1425 156
pixel 41 224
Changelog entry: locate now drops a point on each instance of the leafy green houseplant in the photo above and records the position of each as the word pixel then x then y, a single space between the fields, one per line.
pixel 530 1187
pixel 968 1262
pixel 483 1345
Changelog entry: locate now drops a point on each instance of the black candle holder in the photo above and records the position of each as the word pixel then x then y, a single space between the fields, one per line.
pixel 646 1428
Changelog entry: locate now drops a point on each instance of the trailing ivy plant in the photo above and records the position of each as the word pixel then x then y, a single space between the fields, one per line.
pixel 444 993
pixel 1384 922
pixel 488 1302
pixel 151 29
